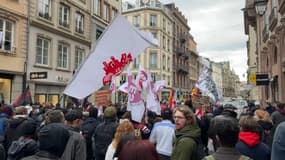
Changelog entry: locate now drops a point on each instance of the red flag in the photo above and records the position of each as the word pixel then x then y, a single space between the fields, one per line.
pixel 24 98
pixel 171 99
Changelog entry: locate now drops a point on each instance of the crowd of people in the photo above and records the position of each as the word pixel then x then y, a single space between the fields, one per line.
pixel 46 132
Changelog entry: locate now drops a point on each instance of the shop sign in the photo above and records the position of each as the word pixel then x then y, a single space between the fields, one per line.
pixel 38 75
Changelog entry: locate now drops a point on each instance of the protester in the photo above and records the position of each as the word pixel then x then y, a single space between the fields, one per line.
pixel 127 137
pixel 163 135
pixel 265 125
pixel 184 146
pixel 6 113
pixel 15 129
pixel 278 145
pixel 26 145
pixel 226 129
pixel 76 146
pixel 105 132
pixel 124 128
pixel 138 150
pixel 88 129
pixel 249 140
pixel 2 152
pixel 52 142
pixel 278 116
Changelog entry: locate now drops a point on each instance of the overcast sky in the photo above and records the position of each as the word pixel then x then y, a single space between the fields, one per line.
pixel 217 27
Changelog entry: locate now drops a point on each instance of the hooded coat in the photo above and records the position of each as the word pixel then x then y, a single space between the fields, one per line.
pixel 184 147
pixel 278 145
pixel 250 145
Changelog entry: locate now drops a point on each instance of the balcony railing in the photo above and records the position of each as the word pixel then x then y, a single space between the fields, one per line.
pixel 182 37
pixel 180 51
pixel 273 19
pixel 265 33
pixel 181 68
pixel 281 6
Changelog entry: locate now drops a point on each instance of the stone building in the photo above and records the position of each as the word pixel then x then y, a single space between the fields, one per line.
pixel 153 16
pixel 13 48
pixel 267 19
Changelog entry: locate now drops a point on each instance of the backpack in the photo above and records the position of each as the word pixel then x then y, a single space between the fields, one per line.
pixel 200 150
pixel 17 148
pixel 242 157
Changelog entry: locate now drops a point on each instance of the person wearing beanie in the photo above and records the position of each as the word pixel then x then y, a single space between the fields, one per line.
pixel 249 143
pixel 30 147
pixel 105 132
pixel 53 139
pixel 16 125
pixel 88 128
pixel 76 146
pixel 6 113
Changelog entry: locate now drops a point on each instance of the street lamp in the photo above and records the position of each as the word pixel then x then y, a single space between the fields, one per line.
pixel 260 6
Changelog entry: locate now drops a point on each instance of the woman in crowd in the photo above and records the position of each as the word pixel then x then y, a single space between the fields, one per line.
pixel 125 127
pixel 138 150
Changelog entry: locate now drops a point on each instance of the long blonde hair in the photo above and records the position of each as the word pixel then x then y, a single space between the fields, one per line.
pixel 124 127
pixel 262 115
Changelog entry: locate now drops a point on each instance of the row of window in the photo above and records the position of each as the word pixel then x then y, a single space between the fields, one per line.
pixel 43 54
pixel 153 22
pixel 153 76
pixel 103 10
pixel 153 61
pixel 64 17
pixel 6 35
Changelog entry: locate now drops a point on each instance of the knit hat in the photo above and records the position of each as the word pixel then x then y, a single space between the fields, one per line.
pixel 110 113
pixel 7 110
pixel 29 127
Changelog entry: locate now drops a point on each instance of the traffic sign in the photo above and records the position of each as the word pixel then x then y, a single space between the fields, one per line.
pixel 252 78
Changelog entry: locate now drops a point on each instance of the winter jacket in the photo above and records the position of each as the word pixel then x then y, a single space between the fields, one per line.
pixel 15 130
pixel 278 145
pixel 185 147
pixel 75 148
pixel 264 130
pixel 226 153
pixel 41 155
pixel 2 152
pixel 103 136
pixel 88 129
pixel 250 145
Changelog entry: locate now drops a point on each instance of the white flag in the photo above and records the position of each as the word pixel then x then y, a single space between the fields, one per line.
pixel 135 102
pixel 119 45
pixel 152 102
pixel 124 87
pixel 113 85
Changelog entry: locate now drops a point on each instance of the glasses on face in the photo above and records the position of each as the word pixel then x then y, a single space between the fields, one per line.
pixel 178 117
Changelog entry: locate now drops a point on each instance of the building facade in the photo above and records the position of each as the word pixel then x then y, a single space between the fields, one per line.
pixel 181 52
pixel 154 17
pixel 102 13
pixel 229 80
pixel 268 22
pixel 59 41
pixel 13 44
pixel 217 74
pixel 193 61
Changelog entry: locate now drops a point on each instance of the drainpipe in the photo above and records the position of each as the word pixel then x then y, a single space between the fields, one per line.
pixel 27 47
